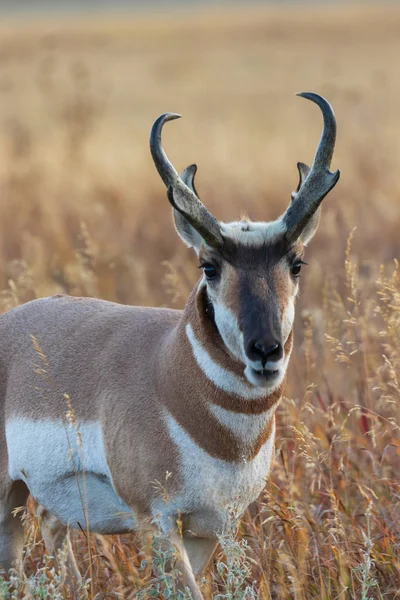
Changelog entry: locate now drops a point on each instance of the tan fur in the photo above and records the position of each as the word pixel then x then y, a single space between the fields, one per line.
pixel 196 418
pixel 122 366
pixel 158 391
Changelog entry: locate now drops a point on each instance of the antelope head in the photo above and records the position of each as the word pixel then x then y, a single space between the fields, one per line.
pixel 251 269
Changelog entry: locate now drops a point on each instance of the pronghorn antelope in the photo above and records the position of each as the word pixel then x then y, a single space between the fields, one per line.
pixel 153 390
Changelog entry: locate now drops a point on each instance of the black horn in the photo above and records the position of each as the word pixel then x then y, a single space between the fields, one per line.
pixel 319 181
pixel 180 195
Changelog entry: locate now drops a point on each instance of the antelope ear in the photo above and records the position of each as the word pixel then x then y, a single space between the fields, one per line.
pixel 311 227
pixel 185 230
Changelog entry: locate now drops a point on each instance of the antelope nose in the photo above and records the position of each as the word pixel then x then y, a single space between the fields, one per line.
pixel 265 351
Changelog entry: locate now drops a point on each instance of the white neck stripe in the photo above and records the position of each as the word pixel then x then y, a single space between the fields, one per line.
pixel 247 428
pixel 220 377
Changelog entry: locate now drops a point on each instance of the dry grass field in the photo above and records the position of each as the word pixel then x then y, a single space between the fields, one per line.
pixel 83 211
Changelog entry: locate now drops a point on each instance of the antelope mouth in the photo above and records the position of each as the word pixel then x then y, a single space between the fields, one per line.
pixel 268 373
pixel 262 377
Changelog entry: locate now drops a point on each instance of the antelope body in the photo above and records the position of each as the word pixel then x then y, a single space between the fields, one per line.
pixel 99 400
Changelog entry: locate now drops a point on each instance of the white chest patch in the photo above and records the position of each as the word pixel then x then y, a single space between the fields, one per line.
pixel 67 472
pixel 211 485
pixel 246 428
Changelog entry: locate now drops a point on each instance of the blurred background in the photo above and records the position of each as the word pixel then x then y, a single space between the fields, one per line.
pixel 81 83
pixel 83 211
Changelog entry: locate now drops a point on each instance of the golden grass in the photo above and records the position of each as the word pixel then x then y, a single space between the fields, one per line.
pixel 83 211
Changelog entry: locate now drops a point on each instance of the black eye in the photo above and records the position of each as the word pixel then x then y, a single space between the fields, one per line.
pixel 210 271
pixel 296 267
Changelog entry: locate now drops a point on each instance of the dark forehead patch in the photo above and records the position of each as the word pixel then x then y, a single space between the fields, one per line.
pixel 251 257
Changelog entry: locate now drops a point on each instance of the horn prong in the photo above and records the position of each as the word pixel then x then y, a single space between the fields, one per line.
pixel 188 176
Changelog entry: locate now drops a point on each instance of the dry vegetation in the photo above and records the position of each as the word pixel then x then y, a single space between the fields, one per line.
pixel 83 211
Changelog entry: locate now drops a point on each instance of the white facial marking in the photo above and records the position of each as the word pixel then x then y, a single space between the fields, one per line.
pixel 220 377
pixel 211 485
pixel 287 320
pixel 232 337
pixel 253 234
pixel 67 476
pixel 228 327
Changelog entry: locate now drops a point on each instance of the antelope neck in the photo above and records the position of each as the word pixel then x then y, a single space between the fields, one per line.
pixel 213 401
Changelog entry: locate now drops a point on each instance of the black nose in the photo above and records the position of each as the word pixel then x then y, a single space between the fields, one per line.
pixel 265 350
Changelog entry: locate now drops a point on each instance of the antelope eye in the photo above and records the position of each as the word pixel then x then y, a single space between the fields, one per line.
pixel 210 271
pixel 296 268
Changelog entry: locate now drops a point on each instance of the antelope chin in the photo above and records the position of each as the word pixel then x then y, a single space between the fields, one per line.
pixel 265 378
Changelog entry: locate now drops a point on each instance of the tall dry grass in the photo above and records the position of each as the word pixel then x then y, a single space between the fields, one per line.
pixel 82 211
